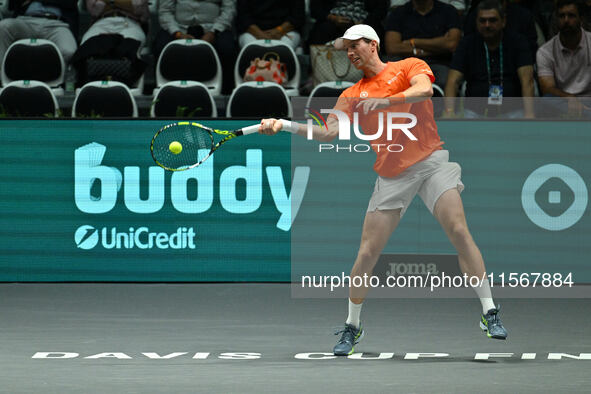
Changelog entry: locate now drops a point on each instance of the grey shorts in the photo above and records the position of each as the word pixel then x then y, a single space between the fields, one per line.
pixel 429 178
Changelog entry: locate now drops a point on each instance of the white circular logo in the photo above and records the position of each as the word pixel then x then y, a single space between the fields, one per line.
pixel 533 210
pixel 363 94
pixel 86 237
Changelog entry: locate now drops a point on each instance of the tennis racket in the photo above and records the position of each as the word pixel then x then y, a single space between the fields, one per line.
pixel 184 145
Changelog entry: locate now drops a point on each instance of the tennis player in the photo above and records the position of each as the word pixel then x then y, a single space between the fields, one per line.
pixel 422 167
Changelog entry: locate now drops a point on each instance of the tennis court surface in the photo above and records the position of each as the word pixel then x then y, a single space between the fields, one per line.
pixel 255 338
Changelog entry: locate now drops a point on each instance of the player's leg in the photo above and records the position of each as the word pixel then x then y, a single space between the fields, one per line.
pixel 377 228
pixel 449 211
pixel 441 194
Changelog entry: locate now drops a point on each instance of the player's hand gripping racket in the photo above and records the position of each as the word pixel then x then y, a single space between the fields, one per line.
pixel 184 145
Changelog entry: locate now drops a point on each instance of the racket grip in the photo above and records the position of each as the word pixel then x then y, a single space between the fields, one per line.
pixel 290 126
pixel 250 129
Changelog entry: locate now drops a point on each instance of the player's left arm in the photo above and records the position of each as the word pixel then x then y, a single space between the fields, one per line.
pixel 526 77
pixel 420 89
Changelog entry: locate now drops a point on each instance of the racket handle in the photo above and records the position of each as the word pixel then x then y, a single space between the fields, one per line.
pixel 250 129
pixel 292 127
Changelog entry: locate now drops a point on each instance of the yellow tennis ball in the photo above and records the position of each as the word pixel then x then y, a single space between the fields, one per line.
pixel 175 147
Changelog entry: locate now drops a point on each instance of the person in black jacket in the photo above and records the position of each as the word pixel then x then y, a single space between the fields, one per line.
pixel 270 19
pixel 54 20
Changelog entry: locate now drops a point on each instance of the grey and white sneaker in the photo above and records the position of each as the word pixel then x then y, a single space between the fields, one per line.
pixel 351 336
pixel 492 325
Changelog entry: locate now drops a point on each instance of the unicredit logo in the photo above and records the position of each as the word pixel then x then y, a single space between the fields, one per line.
pixel 87 237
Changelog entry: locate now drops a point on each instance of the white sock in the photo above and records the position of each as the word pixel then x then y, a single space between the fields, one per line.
pixel 485 295
pixel 354 314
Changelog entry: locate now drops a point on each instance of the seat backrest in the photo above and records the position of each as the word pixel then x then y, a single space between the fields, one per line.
pixel 259 99
pixel 326 89
pixel 190 60
pixel 33 59
pixel 104 99
pixel 180 99
pixel 260 48
pixel 437 91
pixel 28 98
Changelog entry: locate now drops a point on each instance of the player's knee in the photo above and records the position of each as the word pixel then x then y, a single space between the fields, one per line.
pixel 367 256
pixel 362 267
pixel 459 232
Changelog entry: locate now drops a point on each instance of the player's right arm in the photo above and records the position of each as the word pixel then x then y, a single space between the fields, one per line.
pixel 325 133
pixel 272 126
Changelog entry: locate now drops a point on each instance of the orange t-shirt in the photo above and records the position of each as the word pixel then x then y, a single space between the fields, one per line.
pixel 393 79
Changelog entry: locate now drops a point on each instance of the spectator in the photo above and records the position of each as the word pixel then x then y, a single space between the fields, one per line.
pixel 52 20
pixel 117 32
pixel 209 20
pixel 564 62
pixel 459 5
pixel 518 19
pixel 332 18
pixel 127 18
pixel 270 19
pixel 585 17
pixel 428 29
pixel 495 64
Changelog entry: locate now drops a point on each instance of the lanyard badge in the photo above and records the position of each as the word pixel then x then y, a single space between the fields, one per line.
pixel 495 92
pixel 495 95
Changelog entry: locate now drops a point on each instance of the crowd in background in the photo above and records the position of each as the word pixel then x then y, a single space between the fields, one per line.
pixel 500 48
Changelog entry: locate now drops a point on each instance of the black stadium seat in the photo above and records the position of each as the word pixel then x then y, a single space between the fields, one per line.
pixel 190 60
pixel 28 98
pixel 33 59
pixel 183 99
pixel 259 99
pixel 104 99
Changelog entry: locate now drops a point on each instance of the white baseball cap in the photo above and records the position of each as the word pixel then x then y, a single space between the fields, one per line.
pixel 356 32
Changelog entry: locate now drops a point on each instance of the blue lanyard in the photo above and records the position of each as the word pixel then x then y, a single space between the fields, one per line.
pixel 488 63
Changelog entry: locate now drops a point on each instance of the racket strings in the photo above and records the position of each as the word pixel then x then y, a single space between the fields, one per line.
pixel 196 143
